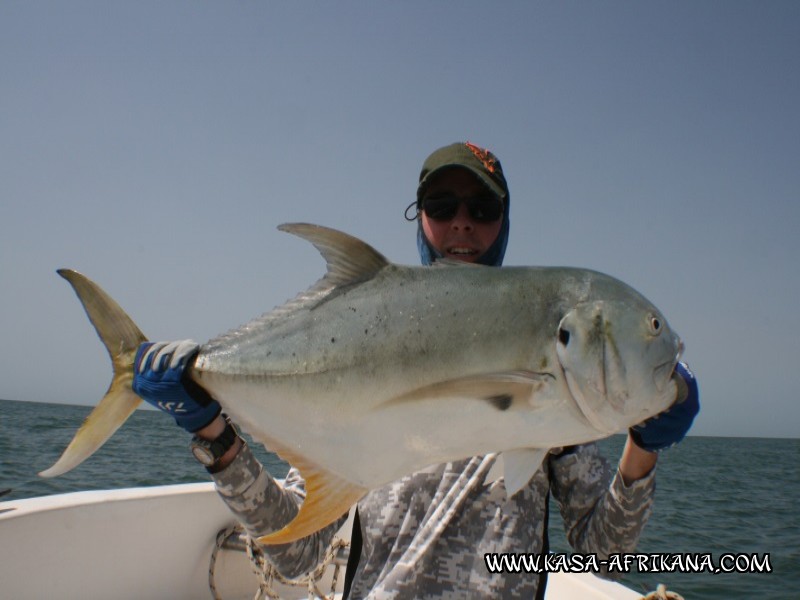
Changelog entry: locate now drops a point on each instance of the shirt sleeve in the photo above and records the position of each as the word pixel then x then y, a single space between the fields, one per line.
pixel 262 506
pixel 601 514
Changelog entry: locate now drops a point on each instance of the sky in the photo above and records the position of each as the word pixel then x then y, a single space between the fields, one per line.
pixel 156 146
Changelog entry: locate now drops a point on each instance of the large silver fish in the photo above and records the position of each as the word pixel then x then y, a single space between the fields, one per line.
pixel 381 370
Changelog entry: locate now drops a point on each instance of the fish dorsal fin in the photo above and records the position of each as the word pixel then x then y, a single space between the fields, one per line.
pixel 349 259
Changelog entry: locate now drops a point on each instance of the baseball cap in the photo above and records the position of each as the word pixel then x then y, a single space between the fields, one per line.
pixel 466 155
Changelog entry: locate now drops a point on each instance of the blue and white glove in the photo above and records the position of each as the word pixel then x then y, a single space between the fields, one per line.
pixel 669 427
pixel 158 377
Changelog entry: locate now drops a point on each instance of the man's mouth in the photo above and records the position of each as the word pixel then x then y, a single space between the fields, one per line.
pixel 462 251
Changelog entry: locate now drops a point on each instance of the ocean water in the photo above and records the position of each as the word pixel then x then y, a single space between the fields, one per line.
pixel 715 496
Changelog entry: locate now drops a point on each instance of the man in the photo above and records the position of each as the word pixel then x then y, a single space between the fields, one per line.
pixel 425 535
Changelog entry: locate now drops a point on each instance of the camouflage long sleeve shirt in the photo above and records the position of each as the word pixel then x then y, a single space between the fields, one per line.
pixel 425 535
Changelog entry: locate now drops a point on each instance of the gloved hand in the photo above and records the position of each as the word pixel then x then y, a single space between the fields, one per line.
pixel 669 427
pixel 158 377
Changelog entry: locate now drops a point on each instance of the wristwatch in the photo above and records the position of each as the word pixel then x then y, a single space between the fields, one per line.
pixel 208 452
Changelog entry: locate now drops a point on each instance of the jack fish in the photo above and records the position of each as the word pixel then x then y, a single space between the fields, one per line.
pixel 380 370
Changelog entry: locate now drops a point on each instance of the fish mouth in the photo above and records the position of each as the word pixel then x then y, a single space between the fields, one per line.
pixel 663 373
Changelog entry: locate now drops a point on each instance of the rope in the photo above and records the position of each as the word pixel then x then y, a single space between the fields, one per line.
pixel 267 574
pixel 222 535
pixel 446 507
pixel 662 593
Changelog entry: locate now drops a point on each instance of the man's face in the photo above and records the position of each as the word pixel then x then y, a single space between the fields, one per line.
pixel 462 237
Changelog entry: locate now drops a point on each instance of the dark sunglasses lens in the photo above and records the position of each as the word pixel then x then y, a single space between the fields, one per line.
pixel 440 209
pixel 485 210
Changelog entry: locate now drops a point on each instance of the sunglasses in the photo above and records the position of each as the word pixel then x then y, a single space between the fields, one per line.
pixel 483 209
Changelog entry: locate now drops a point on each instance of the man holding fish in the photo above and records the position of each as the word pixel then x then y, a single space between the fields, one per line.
pixel 425 535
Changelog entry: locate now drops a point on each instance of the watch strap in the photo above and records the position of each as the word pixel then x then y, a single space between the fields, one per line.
pixel 219 445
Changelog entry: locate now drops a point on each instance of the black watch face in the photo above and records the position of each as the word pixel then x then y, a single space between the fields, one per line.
pixel 203 455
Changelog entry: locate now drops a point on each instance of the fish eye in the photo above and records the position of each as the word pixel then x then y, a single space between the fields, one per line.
pixel 655 325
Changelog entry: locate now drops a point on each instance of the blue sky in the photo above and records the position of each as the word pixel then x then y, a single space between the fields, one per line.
pixel 155 146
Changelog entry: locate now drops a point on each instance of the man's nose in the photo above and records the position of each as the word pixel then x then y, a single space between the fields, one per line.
pixel 462 221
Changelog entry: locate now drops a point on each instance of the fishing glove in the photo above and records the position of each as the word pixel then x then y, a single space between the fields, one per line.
pixel 669 427
pixel 158 377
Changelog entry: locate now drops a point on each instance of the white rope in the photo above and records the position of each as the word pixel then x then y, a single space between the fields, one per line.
pixel 267 574
pixel 222 535
pixel 446 508
pixel 662 593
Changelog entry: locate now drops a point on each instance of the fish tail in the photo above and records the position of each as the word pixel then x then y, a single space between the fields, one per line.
pixel 121 337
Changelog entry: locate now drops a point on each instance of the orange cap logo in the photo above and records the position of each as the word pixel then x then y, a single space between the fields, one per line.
pixel 483 155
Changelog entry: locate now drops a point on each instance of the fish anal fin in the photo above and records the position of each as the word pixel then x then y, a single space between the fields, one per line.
pixel 519 466
pixel 328 497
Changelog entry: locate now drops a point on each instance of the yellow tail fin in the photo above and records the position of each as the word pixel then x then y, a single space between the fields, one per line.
pixel 121 337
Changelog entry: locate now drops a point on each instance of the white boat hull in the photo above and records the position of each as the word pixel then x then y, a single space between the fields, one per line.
pixel 154 543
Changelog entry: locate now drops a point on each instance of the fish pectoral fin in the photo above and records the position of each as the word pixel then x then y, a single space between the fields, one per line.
pixel 328 497
pixel 519 466
pixel 500 390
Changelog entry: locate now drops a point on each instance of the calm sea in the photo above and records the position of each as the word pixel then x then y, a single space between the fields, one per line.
pixel 715 495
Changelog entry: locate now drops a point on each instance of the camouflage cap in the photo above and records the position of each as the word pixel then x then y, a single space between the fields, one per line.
pixel 466 155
